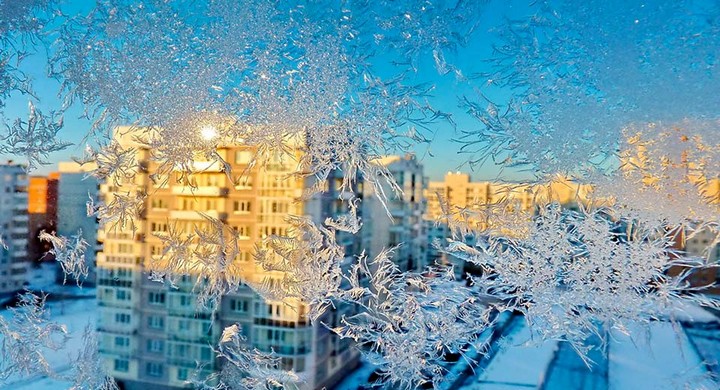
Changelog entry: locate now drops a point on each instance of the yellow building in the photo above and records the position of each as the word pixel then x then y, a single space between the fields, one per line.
pixel 152 335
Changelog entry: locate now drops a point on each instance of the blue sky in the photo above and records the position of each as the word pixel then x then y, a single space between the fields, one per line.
pixel 447 93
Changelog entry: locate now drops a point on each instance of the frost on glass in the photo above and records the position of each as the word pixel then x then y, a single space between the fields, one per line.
pixel 580 73
pixel 668 173
pixel 248 369
pixel 22 24
pixel 275 73
pixel 27 336
pixel 310 262
pixel 209 255
pixel 88 372
pixel 409 323
pixel 578 274
pixel 70 253
pixel 33 138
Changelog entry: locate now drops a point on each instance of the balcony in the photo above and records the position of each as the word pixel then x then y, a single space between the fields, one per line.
pixel 195 215
pixel 215 191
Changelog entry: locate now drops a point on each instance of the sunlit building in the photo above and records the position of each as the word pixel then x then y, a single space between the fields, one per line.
pixel 42 214
pixel 153 335
pixel 13 228
pixel 468 199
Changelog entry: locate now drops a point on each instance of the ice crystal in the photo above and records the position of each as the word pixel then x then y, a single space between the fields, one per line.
pixel 26 338
pixel 577 273
pixel 667 174
pixel 579 73
pixel 21 22
pixel 34 138
pixel 409 323
pixel 310 260
pixel 289 73
pixel 121 210
pixel 70 253
pixel 88 372
pixel 250 369
pixel 211 254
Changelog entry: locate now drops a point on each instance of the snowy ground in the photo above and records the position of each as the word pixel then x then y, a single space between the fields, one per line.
pixel 76 315
pixel 658 356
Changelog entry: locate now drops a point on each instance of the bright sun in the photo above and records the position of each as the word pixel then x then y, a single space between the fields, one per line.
pixel 208 132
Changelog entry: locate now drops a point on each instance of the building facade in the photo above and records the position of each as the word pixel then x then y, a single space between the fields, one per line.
pixel 404 225
pixel 42 214
pixel 152 335
pixel 75 189
pixel 13 228
pixel 467 199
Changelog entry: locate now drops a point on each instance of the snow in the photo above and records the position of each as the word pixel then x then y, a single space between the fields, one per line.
pixel 664 359
pixel 76 315
pixel 517 365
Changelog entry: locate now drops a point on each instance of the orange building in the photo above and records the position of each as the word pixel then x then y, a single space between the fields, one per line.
pixel 42 212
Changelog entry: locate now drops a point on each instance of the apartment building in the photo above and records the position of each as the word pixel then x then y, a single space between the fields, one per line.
pixel 75 189
pixel 42 214
pixel 153 335
pixel 467 196
pixel 13 228
pixel 404 225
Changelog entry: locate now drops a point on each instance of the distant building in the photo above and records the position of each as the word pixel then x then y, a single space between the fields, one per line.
pixel 42 214
pixel 406 209
pixel 75 189
pixel 13 228
pixel 467 198
pixel 151 335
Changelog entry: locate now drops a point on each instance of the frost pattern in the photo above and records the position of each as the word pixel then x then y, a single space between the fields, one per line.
pixel 668 174
pixel 580 73
pixel 409 322
pixel 88 371
pixel 34 138
pixel 268 74
pixel 211 254
pixel 246 369
pixel 580 273
pixel 310 261
pixel 70 253
pixel 27 336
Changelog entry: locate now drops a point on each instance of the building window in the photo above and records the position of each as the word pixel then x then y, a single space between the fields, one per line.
pixel 240 306
pixel 154 369
pixel 243 157
pixel 241 206
pixel 185 300
pixel 183 325
pixel 205 354
pixel 156 298
pixel 156 322
pixel 243 231
pixel 122 318
pixel 121 341
pixel 121 365
pixel 182 374
pixel 122 295
pixel 155 346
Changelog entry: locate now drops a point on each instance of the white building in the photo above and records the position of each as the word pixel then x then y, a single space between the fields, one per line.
pixel 13 228
pixel 406 227
pixel 74 191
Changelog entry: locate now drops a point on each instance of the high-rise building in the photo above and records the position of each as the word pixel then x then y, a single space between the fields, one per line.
pixel 406 208
pixel 151 334
pixel 13 228
pixel 75 189
pixel 42 214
